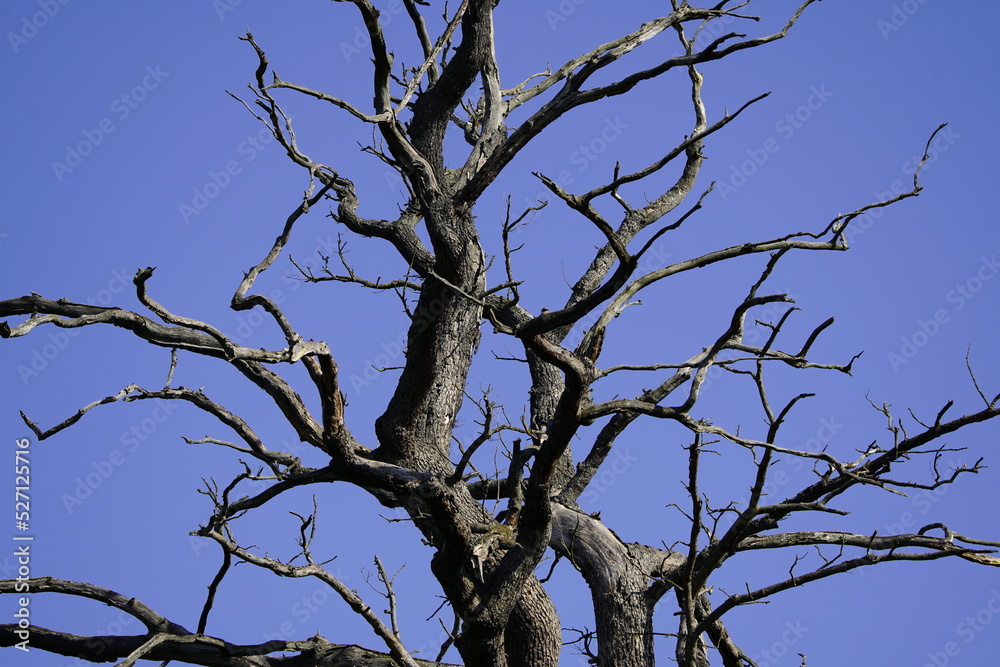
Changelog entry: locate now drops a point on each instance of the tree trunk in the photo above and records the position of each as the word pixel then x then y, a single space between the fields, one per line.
pixel 416 431
pixel 619 577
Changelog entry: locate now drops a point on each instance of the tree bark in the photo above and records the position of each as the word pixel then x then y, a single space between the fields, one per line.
pixel 620 577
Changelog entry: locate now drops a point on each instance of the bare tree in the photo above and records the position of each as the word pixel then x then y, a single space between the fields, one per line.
pixel 486 561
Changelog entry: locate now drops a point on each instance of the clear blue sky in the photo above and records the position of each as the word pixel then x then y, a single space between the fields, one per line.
pixel 122 150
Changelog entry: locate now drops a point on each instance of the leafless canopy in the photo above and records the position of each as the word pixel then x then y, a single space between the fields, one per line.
pixel 485 564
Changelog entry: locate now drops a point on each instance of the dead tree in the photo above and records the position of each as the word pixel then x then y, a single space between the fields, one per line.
pixel 484 562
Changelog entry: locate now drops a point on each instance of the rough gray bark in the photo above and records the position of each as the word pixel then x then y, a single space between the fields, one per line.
pixel 485 565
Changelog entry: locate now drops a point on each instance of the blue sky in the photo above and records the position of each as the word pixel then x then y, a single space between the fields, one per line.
pixel 123 150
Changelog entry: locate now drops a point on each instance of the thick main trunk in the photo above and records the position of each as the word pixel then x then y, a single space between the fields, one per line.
pixel 624 621
pixel 619 577
pixel 415 432
pixel 534 635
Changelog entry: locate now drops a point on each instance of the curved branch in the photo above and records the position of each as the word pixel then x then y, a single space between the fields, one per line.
pixel 154 622
pixel 577 71
pixel 414 163
pixel 207 651
pixel 429 65
pixel 46 311
pixel 837 568
pixel 396 648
